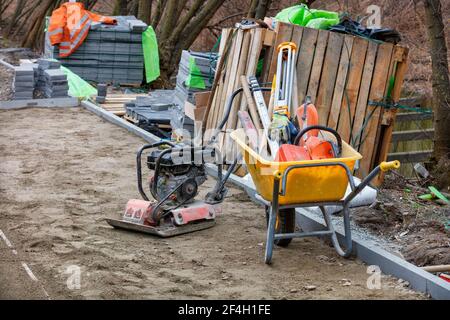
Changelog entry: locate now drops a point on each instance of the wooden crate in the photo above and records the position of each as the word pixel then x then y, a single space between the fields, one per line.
pixel 341 73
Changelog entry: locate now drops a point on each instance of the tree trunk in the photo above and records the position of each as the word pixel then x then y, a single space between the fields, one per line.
pixel 440 78
pixel 121 8
pixel 37 26
pixel 17 12
pixel 145 11
pixel 252 9
pixel 177 32
pixel 262 8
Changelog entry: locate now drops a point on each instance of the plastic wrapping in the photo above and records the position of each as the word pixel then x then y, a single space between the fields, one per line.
pixel 77 86
pixel 151 55
pixel 311 18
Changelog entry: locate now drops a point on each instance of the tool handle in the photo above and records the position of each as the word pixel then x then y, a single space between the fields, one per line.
pixel 389 165
pixel 318 127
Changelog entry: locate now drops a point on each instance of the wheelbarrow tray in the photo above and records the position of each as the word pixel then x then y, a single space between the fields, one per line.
pixel 319 183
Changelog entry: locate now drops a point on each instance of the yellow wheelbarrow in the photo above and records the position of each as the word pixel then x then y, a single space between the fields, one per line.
pixel 284 186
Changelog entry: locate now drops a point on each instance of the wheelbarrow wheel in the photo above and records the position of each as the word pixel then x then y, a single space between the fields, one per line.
pixel 286 224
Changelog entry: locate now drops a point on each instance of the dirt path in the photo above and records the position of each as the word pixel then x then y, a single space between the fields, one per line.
pixel 63 171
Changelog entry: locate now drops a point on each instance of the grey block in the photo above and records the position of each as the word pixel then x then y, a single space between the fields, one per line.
pixel 23 95
pixel 25 70
pixel 55 74
pixel 49 64
pixel 28 78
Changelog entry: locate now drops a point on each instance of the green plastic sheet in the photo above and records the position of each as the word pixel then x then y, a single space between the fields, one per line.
pixel 311 18
pixel 77 86
pixel 151 55
pixel 195 79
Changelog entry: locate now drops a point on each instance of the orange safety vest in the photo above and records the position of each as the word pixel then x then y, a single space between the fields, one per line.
pixel 70 24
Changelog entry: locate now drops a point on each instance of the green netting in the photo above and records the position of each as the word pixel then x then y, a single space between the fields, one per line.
pixel 311 18
pixel 77 86
pixel 195 78
pixel 151 55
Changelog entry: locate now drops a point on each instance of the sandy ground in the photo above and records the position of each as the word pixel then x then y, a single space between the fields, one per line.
pixel 62 172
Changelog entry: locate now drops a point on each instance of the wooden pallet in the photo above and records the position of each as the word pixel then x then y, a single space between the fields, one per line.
pixel 341 73
pixel 114 103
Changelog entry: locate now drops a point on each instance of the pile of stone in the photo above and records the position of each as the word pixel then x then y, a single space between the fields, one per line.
pixel 23 84
pixel 52 81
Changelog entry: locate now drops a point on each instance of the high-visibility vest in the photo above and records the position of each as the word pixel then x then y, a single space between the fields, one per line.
pixel 70 24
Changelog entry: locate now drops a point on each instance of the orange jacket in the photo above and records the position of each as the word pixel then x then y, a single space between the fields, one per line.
pixel 70 24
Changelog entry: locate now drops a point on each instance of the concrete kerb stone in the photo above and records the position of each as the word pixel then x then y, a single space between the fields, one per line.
pixel 66 102
pixel 147 136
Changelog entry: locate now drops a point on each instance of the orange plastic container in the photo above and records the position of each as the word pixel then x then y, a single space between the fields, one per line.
pixel 313 184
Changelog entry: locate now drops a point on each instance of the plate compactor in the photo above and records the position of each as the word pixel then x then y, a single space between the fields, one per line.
pixel 174 186
pixel 178 172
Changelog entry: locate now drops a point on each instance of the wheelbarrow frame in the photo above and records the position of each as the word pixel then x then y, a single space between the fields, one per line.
pixel 280 179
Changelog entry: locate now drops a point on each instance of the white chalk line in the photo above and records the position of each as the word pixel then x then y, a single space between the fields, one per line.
pixel 29 272
pixel 5 239
pixel 24 265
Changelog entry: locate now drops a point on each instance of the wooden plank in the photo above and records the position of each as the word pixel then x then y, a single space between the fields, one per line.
pixel 412 101
pixel 297 36
pixel 316 70
pixel 230 78
pixel 226 44
pixel 360 67
pixel 241 70
pixel 269 37
pixel 413 116
pixel 401 59
pixel 305 60
pixel 328 77
pixel 411 156
pixel 408 135
pixel 217 106
pixel 252 64
pixel 377 93
pixel 251 104
pixel 341 81
pixel 284 33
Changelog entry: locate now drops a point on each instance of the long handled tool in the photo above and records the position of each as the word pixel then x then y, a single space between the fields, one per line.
pixel 281 129
pixel 263 114
pixel 284 78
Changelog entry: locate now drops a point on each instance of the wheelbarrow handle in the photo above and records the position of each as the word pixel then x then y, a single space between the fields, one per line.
pixel 386 166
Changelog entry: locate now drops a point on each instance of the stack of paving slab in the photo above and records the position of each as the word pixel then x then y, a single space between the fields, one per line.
pixel 204 73
pixel 24 82
pixel 155 107
pixel 110 53
pixel 163 107
pixel 52 81
pixel 153 111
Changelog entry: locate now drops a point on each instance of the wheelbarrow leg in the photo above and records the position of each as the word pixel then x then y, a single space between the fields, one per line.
pixel 271 226
pixel 348 237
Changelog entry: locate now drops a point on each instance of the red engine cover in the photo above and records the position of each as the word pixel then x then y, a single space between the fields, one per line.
pixel 290 152
pixel 139 211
